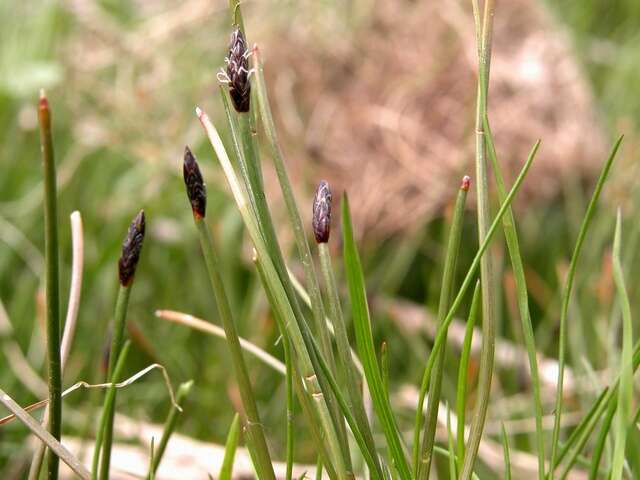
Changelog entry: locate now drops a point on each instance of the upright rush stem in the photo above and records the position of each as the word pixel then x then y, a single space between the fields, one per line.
pixel 489 293
pixel 448 277
pixel 197 195
pixel 131 248
pixel 52 293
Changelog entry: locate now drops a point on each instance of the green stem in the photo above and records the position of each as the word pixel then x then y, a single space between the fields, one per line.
pixel 353 379
pixel 117 339
pixel 109 406
pixel 448 277
pixel 226 470
pixel 463 369
pixel 52 293
pixel 170 425
pixel 254 429
pixel 290 414
pixel 489 295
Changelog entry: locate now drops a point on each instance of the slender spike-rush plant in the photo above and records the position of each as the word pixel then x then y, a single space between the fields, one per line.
pixel 489 293
pixel 196 192
pixel 446 290
pixel 52 279
pixel 131 248
pixel 243 130
pixel 282 302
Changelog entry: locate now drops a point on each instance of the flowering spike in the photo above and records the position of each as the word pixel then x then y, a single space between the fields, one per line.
pixel 238 72
pixel 322 213
pixel 196 190
pixel 131 248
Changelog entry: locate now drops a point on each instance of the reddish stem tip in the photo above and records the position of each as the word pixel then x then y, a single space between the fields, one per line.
pixel 466 183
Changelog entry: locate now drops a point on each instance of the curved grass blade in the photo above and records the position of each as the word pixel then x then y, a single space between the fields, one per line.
pixel 513 245
pixel 366 349
pixel 566 297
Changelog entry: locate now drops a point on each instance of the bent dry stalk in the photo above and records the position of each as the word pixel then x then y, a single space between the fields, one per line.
pixel 196 191
pixel 131 248
pixel 52 279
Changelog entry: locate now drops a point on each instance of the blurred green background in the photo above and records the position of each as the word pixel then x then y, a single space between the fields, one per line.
pixel 121 118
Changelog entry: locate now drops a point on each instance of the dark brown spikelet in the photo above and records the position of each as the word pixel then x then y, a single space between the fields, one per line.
pixel 131 248
pixel 196 189
pixel 322 213
pixel 238 72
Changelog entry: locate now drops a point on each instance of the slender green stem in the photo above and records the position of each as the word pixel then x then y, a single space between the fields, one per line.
pixel 625 394
pixel 304 396
pixel 352 377
pixel 423 466
pixel 117 339
pixel 463 369
pixel 170 425
pixel 109 406
pixel 507 456
pixel 290 414
pixel 452 448
pixel 566 298
pixel 596 456
pixel 52 279
pixel 226 470
pixel 254 429
pixel 489 295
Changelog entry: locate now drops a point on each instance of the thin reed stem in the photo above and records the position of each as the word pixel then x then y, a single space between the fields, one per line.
pixel 423 466
pixel 463 372
pixel 52 279
pixel 489 294
pixel 107 411
pixel 253 424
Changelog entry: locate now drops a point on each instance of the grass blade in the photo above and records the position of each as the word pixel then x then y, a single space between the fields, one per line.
pixel 452 448
pixel 52 280
pixel 366 349
pixel 233 437
pixel 625 395
pixel 566 298
pixel 513 245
